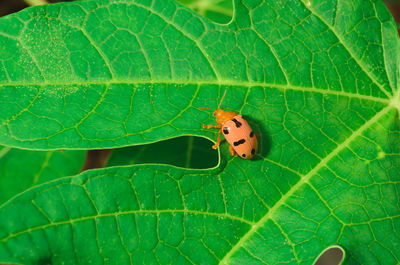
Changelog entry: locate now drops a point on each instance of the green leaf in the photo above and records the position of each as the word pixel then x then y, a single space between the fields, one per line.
pixel 318 80
pixel 92 104
pixel 22 169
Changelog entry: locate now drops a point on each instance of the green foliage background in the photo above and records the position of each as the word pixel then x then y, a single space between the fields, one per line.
pixel 318 80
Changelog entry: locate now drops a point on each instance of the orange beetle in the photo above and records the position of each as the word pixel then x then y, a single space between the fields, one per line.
pixel 237 132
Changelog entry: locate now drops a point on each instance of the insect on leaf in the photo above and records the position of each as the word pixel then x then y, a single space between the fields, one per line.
pixel 318 80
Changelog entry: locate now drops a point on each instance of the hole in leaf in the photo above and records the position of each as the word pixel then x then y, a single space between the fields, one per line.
pixel 186 151
pixel 331 256
pixel 219 11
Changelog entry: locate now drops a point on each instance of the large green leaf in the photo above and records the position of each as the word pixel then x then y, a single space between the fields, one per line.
pixel 317 79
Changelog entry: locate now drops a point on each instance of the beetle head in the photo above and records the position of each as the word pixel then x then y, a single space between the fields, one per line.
pixel 218 113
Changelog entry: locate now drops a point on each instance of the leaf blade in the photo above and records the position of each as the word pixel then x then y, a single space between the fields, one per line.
pixel 331 121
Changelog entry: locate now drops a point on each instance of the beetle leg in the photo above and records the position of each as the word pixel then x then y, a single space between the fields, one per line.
pixel 233 152
pixel 215 146
pixel 212 126
pixel 219 126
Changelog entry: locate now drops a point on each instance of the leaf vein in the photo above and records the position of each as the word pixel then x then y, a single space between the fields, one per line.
pixel 357 60
pixel 303 180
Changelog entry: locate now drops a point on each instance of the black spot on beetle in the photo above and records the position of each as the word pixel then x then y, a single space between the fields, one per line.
pixel 237 123
pixel 226 130
pixel 241 141
pixel 251 134
pixel 253 151
pixel 244 155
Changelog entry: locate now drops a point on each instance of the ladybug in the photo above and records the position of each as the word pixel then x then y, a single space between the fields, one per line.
pixel 237 132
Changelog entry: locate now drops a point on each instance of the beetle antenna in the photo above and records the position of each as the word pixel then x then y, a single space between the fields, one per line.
pixel 221 99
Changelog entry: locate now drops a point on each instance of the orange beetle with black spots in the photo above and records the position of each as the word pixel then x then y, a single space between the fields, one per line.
pixel 237 132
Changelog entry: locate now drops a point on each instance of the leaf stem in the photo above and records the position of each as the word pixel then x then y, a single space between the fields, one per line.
pixel 189 151
pixel 96 159
pixel 36 2
pixel 4 151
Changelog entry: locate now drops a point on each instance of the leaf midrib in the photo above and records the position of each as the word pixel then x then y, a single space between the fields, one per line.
pixel 231 83
pixel 304 179
pixel 100 215
pixel 371 76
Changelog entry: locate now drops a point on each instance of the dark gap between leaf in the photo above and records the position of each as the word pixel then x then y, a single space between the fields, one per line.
pixel 331 256
pixel 186 151
pixel 11 6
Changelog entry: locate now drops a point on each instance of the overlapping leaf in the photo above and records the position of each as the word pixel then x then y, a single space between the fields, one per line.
pixel 22 169
pixel 318 80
